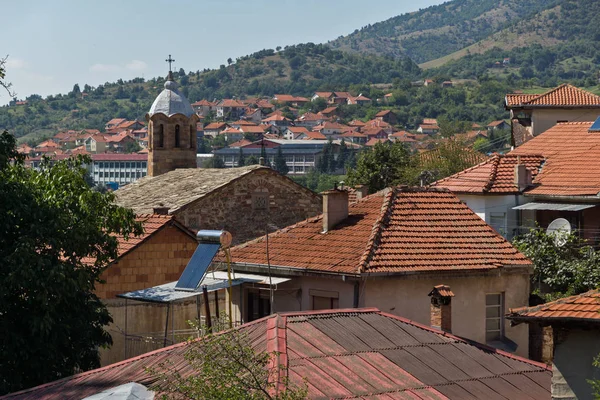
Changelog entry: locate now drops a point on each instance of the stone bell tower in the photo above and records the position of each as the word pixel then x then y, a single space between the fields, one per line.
pixel 171 130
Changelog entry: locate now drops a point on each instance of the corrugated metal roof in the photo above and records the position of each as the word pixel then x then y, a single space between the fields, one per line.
pixel 554 206
pixel 352 354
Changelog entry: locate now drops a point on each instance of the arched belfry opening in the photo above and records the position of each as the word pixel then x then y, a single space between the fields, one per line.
pixel 170 113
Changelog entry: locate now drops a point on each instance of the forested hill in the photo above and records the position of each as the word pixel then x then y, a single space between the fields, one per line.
pixel 440 30
pixel 299 70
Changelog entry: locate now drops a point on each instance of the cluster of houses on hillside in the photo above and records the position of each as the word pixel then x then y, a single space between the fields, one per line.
pixel 402 293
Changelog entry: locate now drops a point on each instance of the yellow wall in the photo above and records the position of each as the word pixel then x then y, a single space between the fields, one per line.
pixel 408 297
pixel 542 120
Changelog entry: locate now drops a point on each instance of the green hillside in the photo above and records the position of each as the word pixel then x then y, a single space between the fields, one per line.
pixel 548 42
pixel 300 70
pixel 437 31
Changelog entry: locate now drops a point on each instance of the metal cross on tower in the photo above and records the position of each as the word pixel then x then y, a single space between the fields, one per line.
pixel 170 61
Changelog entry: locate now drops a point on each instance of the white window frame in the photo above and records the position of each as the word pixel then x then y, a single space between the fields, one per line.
pixel 499 318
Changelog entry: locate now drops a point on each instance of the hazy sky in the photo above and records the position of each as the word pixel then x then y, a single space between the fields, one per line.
pixel 54 44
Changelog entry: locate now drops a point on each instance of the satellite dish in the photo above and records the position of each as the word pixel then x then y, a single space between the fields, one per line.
pixel 560 229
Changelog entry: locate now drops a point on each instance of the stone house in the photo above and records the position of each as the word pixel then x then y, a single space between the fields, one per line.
pixel 573 324
pixel 388 250
pixel 532 114
pixel 244 201
pixel 388 116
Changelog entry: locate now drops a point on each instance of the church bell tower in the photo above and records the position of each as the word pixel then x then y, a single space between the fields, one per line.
pixel 171 130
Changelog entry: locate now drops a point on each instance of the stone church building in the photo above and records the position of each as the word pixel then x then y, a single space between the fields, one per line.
pixel 245 201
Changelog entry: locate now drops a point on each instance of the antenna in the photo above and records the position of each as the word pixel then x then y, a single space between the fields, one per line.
pixel 559 229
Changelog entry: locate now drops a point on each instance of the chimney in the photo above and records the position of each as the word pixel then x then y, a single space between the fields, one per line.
pixel 441 307
pixel 161 210
pixel 361 191
pixel 335 207
pixel 522 176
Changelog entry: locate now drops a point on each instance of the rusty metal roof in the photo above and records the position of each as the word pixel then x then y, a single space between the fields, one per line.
pixel 350 354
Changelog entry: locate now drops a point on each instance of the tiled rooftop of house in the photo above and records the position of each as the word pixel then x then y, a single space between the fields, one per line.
pixel 583 308
pixel 403 231
pixel 349 354
pixel 572 156
pixel 563 95
pixel 495 175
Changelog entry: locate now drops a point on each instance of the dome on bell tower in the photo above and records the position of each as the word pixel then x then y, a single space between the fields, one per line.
pixel 170 102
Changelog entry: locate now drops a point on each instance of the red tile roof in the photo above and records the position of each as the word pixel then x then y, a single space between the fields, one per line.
pixel 120 157
pixel 572 156
pixel 405 230
pixel 564 95
pixel 253 128
pixel 495 175
pixel 356 122
pixel 373 141
pixel 350 354
pixel 383 113
pixel 240 143
pixel 215 126
pixel 580 308
pixel 289 98
pixel 204 103
pixel 231 103
pixel 496 123
pixel 329 110
pixel 314 135
pixel 275 117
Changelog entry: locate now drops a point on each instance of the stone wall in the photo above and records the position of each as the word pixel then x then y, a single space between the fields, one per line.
pixel 159 260
pixel 169 155
pixel 247 206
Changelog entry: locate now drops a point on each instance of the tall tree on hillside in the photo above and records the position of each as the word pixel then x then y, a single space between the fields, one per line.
pixel 280 164
pixel 343 156
pixel 51 225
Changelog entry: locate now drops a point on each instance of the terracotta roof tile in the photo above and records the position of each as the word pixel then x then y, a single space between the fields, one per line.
pixel 404 230
pixel 564 95
pixel 582 307
pixel 352 354
pixel 495 175
pixel 572 156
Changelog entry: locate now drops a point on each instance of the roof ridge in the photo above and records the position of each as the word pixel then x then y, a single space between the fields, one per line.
pixel 556 89
pixel 493 173
pixel 377 230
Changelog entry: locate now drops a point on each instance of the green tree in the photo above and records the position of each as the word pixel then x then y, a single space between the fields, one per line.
pixel 51 224
pixel 227 367
pixel 241 159
pixel 563 263
pixel 343 156
pixel 280 164
pixel 213 162
pixel 131 147
pixel 385 165
pixel 252 160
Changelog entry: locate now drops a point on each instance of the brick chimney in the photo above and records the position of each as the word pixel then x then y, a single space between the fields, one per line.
pixel 161 210
pixel 361 191
pixel 441 307
pixel 335 208
pixel 522 175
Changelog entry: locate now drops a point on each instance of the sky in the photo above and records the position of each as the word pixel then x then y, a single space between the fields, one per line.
pixel 51 45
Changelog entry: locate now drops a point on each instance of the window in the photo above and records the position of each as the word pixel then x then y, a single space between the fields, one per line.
pixel 144 164
pixel 161 136
pixel 498 222
pixel 258 304
pixel 324 299
pixel 192 133
pixel 126 165
pixel 309 158
pixel 177 136
pixel 260 200
pixel 112 165
pixel 494 317
pixel 122 165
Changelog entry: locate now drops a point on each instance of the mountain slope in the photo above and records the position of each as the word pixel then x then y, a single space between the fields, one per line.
pixel 439 30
